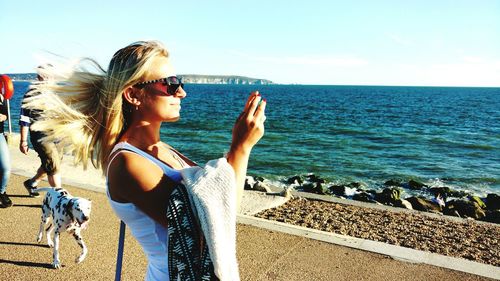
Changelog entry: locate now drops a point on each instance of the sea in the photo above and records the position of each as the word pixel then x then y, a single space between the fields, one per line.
pixel 440 136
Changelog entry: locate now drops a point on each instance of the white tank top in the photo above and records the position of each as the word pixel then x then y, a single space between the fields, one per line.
pixel 152 236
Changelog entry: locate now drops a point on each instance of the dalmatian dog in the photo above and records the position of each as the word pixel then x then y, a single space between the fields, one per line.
pixel 70 214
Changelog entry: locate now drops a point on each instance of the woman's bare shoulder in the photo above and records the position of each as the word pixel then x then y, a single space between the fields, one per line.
pixel 131 169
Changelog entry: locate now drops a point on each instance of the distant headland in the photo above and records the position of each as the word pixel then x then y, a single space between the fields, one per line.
pixel 186 78
pixel 222 79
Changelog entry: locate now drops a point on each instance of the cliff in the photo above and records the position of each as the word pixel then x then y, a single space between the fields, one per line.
pixel 22 76
pixel 186 78
pixel 222 79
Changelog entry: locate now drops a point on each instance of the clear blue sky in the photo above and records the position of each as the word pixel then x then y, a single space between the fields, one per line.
pixel 421 42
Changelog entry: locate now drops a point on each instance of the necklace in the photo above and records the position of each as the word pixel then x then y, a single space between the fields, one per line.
pixel 176 156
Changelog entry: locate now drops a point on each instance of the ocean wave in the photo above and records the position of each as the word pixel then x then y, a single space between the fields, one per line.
pixel 463 145
pixel 350 131
pixel 479 146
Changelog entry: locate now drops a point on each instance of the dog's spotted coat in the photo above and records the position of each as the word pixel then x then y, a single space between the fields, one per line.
pixel 69 214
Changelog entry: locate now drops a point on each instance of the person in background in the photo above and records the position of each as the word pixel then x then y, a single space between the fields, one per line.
pixel 4 156
pixel 115 118
pixel 49 153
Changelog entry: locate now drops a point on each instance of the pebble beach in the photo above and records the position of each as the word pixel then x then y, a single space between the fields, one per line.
pixel 462 238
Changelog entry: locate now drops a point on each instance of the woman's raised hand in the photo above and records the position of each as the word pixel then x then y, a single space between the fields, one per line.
pixel 247 131
pixel 249 127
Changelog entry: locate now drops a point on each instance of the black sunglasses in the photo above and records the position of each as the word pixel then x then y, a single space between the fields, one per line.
pixel 172 84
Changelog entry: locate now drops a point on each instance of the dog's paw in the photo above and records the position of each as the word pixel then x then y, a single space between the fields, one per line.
pixel 39 238
pixel 56 265
pixel 50 243
pixel 80 258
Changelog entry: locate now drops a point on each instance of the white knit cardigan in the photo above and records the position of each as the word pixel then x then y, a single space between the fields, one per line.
pixel 212 190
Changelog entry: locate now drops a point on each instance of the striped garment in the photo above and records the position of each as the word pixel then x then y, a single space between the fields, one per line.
pixel 188 255
pixel 28 116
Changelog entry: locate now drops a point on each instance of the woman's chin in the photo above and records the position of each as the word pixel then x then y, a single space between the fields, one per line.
pixel 173 119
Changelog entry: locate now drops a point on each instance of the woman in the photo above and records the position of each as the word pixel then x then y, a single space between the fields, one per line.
pixel 113 118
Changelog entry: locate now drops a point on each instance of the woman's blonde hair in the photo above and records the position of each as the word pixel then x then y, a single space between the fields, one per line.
pixel 85 110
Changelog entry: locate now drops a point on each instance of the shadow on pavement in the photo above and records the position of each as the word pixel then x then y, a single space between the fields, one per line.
pixel 24 244
pixel 27 263
pixel 38 206
pixel 20 196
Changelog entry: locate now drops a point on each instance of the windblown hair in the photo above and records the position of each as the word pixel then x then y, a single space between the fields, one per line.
pixel 85 110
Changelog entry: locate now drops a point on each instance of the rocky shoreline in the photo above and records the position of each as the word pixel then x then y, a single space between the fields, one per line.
pixel 467 238
pixel 436 199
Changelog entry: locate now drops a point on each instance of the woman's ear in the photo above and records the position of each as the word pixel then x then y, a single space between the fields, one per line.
pixel 132 96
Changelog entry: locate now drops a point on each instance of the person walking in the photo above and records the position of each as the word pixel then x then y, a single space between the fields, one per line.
pixel 49 152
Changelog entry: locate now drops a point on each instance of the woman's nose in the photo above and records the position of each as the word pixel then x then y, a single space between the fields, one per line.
pixel 180 93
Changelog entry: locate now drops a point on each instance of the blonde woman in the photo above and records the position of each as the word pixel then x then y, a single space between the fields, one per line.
pixel 113 118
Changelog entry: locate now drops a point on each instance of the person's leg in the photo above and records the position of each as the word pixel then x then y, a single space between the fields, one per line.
pixel 53 155
pixel 40 174
pixel 4 172
pixel 54 180
pixel 56 156
pixel 49 167
pixel 4 164
pixel 50 157
pixel 32 183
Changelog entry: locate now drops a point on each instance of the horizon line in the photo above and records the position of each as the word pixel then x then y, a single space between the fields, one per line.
pixel 305 84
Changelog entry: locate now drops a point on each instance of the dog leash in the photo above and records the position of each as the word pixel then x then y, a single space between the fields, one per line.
pixel 119 257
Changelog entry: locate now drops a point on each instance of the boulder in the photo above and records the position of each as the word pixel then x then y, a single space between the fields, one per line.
pixel 402 203
pixel 439 191
pixel 422 204
pixel 354 185
pixel 363 196
pixel 287 193
pixel 478 201
pixel 492 216
pixel 295 180
pixel 388 196
pixel 464 208
pixel 261 179
pixel 447 192
pixel 314 187
pixel 260 186
pixel 492 201
pixel 314 178
pixel 338 190
pixel 415 185
pixel 249 183
pixel 393 182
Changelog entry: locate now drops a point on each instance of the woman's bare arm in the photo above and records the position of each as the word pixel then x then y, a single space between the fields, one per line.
pixel 247 131
pixel 134 179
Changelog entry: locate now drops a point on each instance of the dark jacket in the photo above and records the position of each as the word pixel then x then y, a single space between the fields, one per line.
pixel 3 110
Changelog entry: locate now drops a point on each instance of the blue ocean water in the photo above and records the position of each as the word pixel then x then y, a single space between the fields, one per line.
pixel 370 134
